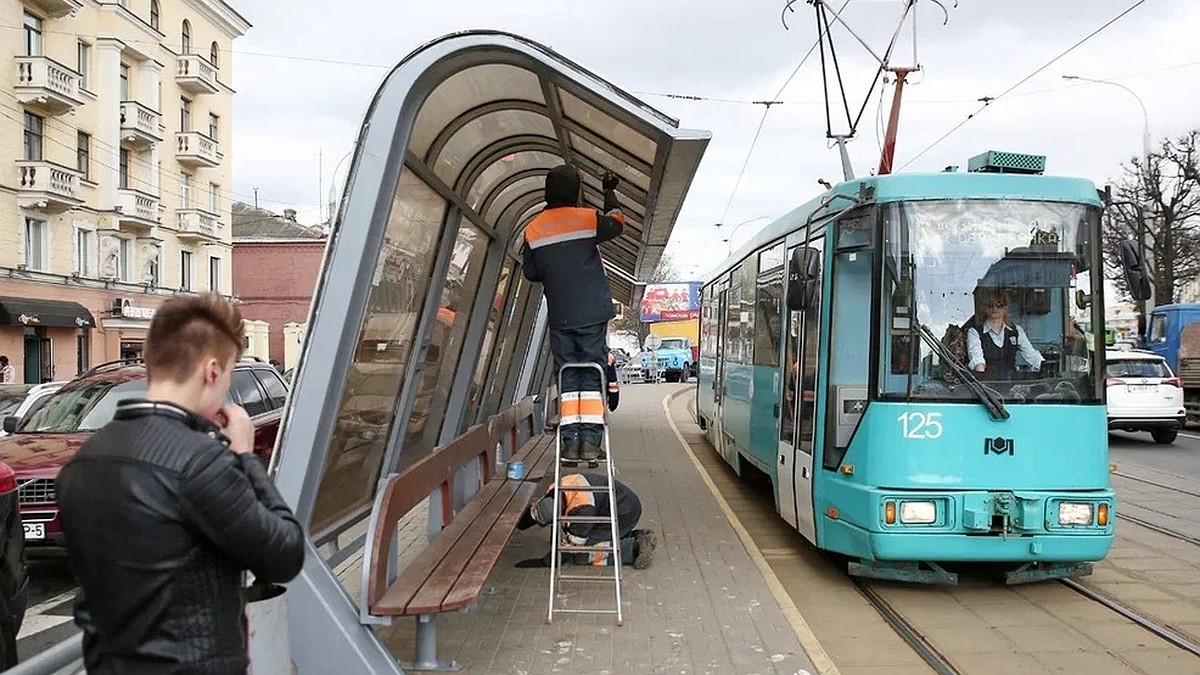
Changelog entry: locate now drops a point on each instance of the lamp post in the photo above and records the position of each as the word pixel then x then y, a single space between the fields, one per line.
pixel 1144 306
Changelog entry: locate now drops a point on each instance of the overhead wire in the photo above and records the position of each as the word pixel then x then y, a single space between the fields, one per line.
pixel 987 101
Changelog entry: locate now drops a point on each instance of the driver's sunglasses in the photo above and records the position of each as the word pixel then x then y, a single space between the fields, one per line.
pixel 1000 304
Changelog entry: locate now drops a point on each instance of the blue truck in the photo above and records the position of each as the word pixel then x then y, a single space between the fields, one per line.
pixel 674 359
pixel 1173 332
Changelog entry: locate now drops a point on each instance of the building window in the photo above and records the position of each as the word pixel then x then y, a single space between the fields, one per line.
pixel 214 127
pixel 185 191
pixel 124 252
pixel 124 82
pixel 185 115
pixel 123 173
pixel 33 35
pixel 213 53
pixel 84 57
pixel 83 155
pixel 154 14
pixel 35 244
pixel 83 350
pixel 33 138
pixel 83 252
pixel 214 274
pixel 185 44
pixel 185 270
pixel 214 198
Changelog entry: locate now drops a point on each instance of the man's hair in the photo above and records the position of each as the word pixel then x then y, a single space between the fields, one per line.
pixel 4 360
pixel 185 331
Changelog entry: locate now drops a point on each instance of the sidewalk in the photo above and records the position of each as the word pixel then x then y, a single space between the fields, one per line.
pixel 702 607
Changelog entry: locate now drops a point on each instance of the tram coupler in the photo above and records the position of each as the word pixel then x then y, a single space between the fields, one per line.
pixel 1039 571
pixel 904 570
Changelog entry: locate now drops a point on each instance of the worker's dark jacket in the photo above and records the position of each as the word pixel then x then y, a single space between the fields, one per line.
pixel 560 252
pixel 161 520
pixel 586 503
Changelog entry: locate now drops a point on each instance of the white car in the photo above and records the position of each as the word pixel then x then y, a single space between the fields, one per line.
pixel 1143 394
pixel 36 393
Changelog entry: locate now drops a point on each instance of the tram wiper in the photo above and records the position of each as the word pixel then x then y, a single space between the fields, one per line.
pixel 988 396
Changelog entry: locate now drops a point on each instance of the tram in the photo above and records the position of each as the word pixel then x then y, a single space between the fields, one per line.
pixel 836 360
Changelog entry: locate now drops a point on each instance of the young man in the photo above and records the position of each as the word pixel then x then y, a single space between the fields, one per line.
pixel 561 253
pixel 7 374
pixel 637 546
pixel 166 506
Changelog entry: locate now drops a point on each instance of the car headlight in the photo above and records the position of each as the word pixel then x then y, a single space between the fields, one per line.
pixel 918 513
pixel 1070 513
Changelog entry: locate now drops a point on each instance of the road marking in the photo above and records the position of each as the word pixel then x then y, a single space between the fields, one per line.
pixel 1190 436
pixel 36 620
pixel 808 639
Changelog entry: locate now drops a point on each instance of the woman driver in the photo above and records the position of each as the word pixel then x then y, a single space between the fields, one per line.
pixel 994 341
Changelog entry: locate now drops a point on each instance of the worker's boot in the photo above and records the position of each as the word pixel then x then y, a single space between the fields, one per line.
pixel 590 452
pixel 570 449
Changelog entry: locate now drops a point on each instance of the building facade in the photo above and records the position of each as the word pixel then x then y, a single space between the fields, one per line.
pixel 115 123
pixel 276 264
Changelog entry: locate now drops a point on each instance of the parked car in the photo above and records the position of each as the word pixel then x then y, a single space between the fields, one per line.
pixel 41 443
pixel 1144 395
pixel 14 579
pixel 31 396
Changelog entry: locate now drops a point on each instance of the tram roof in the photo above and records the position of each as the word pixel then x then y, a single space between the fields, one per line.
pixel 505 109
pixel 920 186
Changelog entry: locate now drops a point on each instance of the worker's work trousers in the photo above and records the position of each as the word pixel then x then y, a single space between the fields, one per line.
pixel 581 411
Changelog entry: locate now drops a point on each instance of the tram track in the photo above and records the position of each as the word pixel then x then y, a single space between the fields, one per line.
pixel 1174 534
pixel 1147 481
pixel 1157 628
pixel 906 630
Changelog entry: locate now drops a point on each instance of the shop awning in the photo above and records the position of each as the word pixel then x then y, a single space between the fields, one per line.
pixel 53 313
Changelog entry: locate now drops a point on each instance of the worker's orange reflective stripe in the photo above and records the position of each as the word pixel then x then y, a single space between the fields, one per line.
pixel 557 225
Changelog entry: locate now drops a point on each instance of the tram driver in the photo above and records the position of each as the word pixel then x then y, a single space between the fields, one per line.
pixel 994 340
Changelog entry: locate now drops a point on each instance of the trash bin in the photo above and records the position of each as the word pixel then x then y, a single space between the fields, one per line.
pixel 267 626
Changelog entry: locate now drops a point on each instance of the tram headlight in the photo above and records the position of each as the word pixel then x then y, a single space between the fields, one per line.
pixel 1074 513
pixel 918 513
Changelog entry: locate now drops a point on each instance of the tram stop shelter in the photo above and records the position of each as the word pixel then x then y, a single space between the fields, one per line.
pixel 423 328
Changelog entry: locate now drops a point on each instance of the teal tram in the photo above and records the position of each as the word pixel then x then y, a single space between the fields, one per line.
pixel 905 358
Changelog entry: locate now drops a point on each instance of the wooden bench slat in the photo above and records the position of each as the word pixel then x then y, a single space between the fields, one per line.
pixel 479 568
pixel 429 598
pixel 410 579
pixel 545 463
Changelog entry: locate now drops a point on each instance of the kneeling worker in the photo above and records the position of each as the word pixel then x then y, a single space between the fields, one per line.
pixel 637 546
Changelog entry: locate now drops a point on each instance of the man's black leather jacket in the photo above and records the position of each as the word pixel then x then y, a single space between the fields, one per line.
pixel 161 520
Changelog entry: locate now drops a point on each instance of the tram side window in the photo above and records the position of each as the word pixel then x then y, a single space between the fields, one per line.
pixel 708 328
pixel 767 321
pixel 808 379
pixel 749 288
pixel 733 310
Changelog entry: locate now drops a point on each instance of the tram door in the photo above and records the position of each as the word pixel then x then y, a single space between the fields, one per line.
pixel 797 397
pixel 718 425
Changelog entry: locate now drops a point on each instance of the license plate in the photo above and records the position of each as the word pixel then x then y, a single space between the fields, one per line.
pixel 1143 387
pixel 35 530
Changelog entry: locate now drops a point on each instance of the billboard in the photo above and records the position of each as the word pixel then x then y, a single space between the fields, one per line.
pixel 673 301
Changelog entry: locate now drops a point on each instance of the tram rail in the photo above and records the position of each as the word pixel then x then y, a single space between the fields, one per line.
pixel 1174 534
pixel 906 630
pixel 1147 481
pixel 1155 627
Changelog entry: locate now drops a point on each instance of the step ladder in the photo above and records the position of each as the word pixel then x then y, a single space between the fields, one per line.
pixel 558 547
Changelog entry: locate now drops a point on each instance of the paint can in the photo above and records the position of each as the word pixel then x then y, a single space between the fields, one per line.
pixel 516 470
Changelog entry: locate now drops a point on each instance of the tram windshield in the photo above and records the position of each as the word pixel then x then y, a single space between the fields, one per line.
pixel 1005 288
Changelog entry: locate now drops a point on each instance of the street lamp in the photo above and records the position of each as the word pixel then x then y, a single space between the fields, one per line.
pixel 1144 306
pixel 729 240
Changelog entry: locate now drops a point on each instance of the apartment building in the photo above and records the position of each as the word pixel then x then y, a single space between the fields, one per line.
pixel 115 124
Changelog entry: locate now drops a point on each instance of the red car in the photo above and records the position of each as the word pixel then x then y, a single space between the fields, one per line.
pixel 39 444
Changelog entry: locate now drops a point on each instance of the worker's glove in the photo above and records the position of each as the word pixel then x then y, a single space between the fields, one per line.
pixel 610 181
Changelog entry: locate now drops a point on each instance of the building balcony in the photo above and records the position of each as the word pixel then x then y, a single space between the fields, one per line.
pixel 47 187
pixel 137 208
pixel 48 85
pixel 194 149
pixel 139 125
pixel 196 75
pixel 198 224
pixel 58 8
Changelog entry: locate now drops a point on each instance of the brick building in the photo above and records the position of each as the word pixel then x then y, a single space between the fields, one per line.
pixel 276 262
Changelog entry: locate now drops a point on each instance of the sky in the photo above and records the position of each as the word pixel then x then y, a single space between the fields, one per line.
pixel 307 70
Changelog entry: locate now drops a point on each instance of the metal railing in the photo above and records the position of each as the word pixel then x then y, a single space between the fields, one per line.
pixel 64 658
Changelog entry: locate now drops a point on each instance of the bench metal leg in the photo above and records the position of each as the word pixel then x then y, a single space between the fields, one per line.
pixel 427 648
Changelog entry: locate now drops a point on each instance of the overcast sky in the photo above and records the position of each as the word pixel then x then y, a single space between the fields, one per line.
pixel 290 106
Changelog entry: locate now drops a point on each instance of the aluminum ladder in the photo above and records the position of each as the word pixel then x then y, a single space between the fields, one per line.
pixel 558 532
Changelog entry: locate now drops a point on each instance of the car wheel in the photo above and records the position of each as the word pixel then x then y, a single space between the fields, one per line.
pixel 1164 436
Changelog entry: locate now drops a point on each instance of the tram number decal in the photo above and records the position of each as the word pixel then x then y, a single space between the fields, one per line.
pixel 921 426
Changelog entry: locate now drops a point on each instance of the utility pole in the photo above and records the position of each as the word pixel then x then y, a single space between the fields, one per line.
pixel 255 199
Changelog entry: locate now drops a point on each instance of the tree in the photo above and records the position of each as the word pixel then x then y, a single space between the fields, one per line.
pixel 629 322
pixel 1159 199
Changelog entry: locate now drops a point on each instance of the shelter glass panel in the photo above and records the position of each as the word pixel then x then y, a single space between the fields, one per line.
pixel 509 165
pixel 523 345
pixel 367 411
pixel 533 184
pixel 436 375
pixel 603 124
pixel 502 362
pixel 602 157
pixel 483 131
pixel 468 89
pixel 495 317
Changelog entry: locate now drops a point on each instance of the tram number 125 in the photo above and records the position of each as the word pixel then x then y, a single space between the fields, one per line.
pixel 921 426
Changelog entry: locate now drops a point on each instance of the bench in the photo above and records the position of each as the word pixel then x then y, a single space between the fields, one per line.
pixel 452 571
pixel 515 431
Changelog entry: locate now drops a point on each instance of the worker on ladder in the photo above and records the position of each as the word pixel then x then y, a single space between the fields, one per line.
pixel 637 546
pixel 561 252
